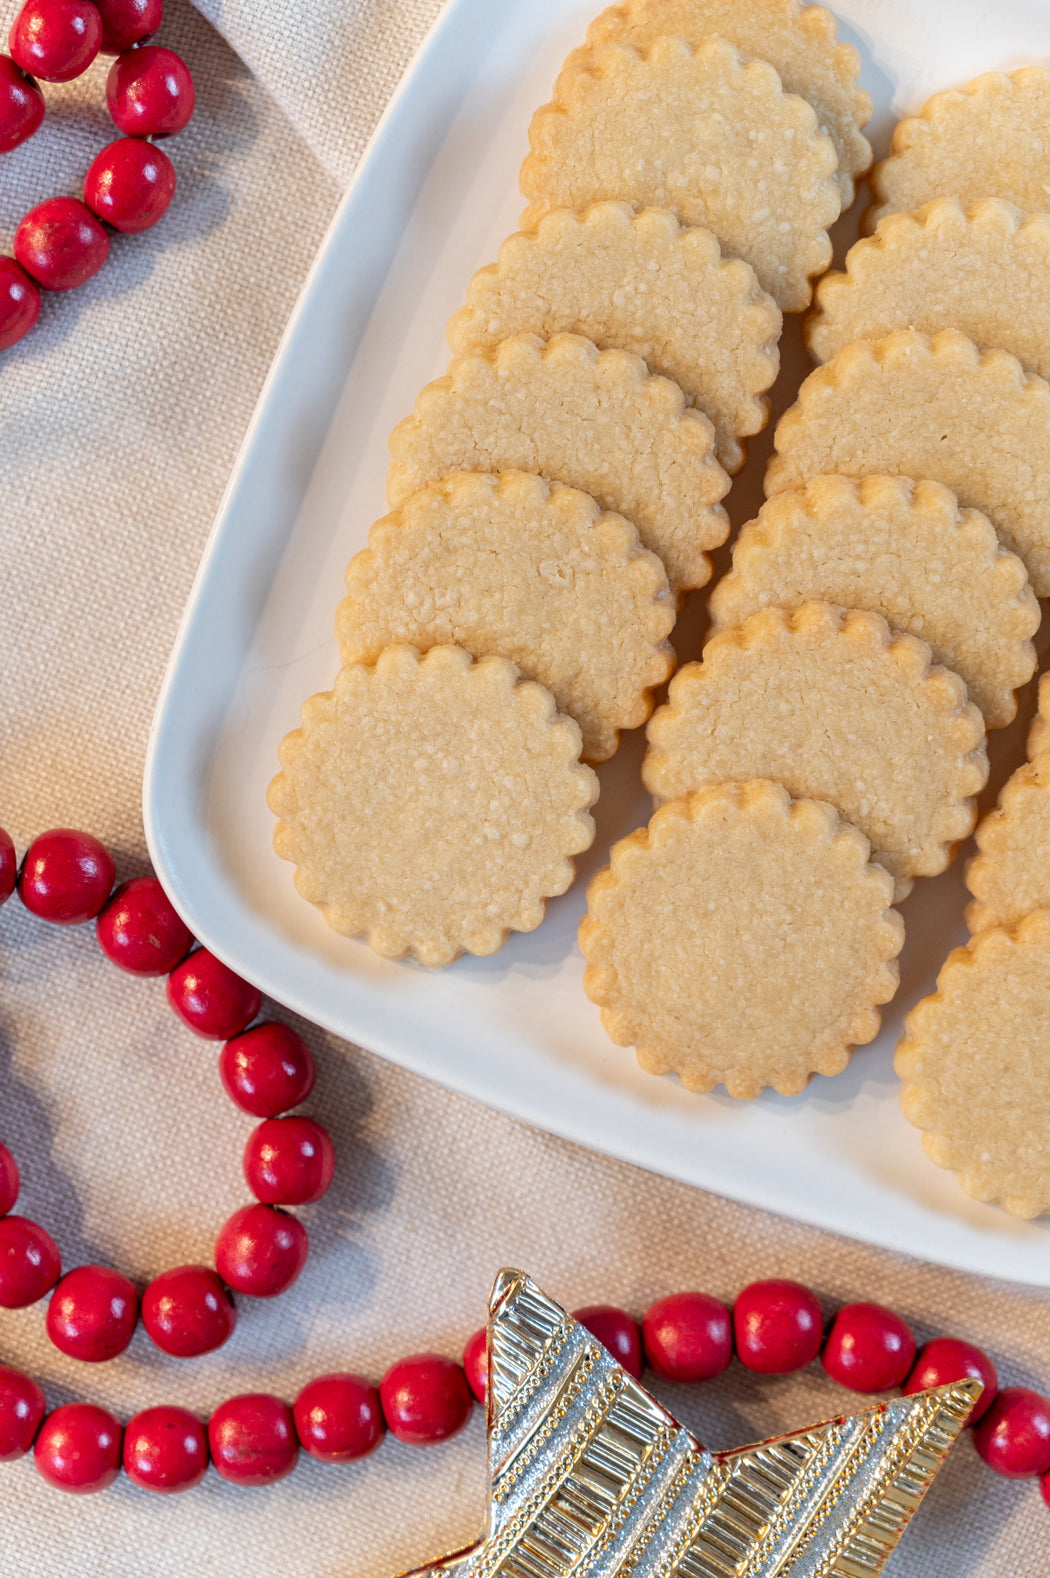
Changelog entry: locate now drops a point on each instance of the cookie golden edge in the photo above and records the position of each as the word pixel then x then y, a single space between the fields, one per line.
pixel 1000 837
pixel 822 496
pixel 621 548
pixel 896 233
pixel 956 818
pixel 542 712
pixel 812 257
pixel 975 1179
pixel 819 821
pixel 820 28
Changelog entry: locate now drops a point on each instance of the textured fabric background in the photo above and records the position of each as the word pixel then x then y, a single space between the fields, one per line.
pixel 119 421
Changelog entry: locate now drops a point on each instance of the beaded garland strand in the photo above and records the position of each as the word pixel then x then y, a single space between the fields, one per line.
pixel 774 1327
pixel 63 241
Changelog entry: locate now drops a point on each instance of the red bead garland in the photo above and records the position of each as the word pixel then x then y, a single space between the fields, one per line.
pixel 62 243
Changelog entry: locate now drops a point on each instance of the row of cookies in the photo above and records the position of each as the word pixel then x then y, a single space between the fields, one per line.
pixel 556 492
pixel 863 710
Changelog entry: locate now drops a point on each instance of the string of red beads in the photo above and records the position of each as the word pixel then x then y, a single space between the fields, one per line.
pixel 63 241
pixel 256 1438
pixel 66 878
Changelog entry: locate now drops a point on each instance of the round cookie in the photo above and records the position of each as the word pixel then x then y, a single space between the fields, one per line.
pixel 987 139
pixel 835 706
pixel 639 283
pixel 432 804
pixel 515 567
pixel 1039 733
pixel 985 273
pixel 1010 875
pixel 935 408
pixel 597 420
pixel 743 939
pixel 905 550
pixel 800 41
pixel 973 1059
pixel 702 132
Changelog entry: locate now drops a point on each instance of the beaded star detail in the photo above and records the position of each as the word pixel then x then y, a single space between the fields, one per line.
pixel 590 1477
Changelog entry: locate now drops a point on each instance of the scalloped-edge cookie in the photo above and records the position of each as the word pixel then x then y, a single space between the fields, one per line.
pixel 905 550
pixel 515 567
pixel 1039 733
pixel 930 408
pixel 641 283
pixel 597 420
pixel 800 41
pixel 703 132
pixel 973 1059
pixel 985 273
pixel 835 706
pixel 987 139
pixel 743 938
pixel 432 804
pixel 1010 875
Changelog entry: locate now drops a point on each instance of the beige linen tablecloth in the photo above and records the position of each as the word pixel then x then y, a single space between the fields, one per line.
pixel 119 421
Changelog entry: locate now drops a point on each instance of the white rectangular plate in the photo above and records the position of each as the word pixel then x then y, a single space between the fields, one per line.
pixel 434 197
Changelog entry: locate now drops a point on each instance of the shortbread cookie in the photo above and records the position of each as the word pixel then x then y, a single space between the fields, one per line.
pixel 702 132
pixel 906 551
pixel 597 420
pixel 987 139
pixel 985 273
pixel 1039 733
pixel 432 804
pixel 641 283
pixel 1010 875
pixel 836 706
pixel 935 408
pixel 518 568
pixel 742 939
pixel 800 41
pixel 973 1059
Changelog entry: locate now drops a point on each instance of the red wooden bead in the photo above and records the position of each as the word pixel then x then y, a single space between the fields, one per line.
pixel 425 1398
pixel 21 1410
pixel 252 1439
pixel 21 105
pixel 338 1417
pixel 210 998
pixel 616 1331
pixel 78 1448
pixel 261 1251
pixel 777 1325
pixel 19 310
pixel 869 1348
pixel 1044 1486
pixel 130 185
pixel 267 1070
pixel 688 1336
pixel 30 1264
pixel 140 930
pixel 55 39
pixel 8 858
pixel 62 245
pixel 187 1311
pixel 1014 1435
pixel 127 22
pixel 66 876
pixel 288 1161
pixel 476 1363
pixel 9 1181
pixel 947 1359
pixel 149 92
pixel 93 1313
pixel 165 1450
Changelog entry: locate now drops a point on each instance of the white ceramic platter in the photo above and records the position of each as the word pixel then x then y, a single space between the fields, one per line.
pixel 434 197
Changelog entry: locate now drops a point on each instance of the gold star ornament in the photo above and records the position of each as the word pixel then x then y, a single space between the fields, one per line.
pixel 590 1477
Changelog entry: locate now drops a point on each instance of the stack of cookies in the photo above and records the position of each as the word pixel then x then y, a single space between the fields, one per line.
pixel 878 618
pixel 557 493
